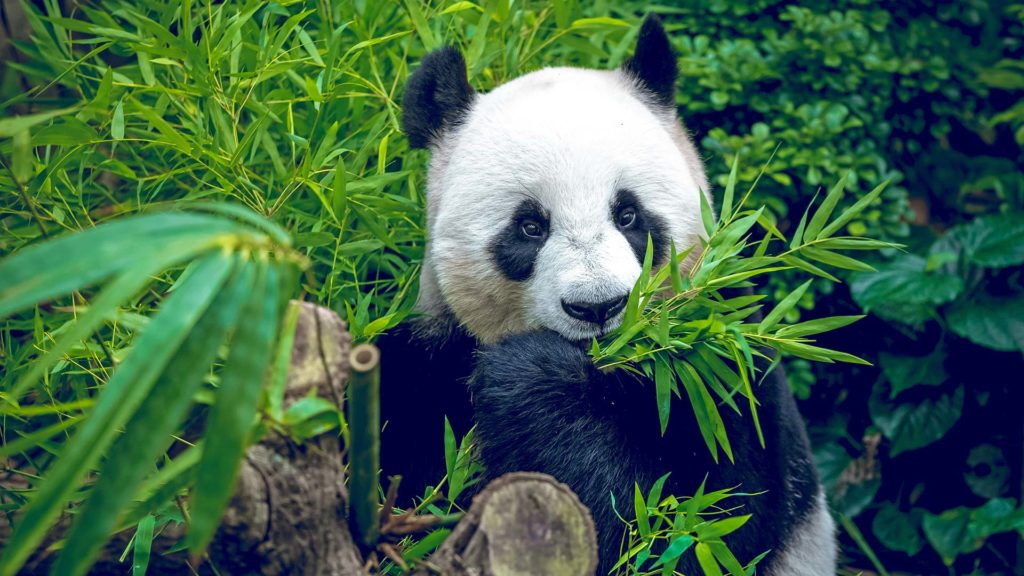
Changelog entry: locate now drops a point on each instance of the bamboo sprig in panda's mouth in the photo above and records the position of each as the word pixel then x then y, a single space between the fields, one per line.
pixel 703 338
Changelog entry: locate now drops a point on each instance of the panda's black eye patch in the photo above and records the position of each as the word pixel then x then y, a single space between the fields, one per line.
pixel 516 246
pixel 635 222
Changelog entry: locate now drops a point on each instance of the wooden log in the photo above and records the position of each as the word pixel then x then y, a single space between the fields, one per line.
pixel 521 524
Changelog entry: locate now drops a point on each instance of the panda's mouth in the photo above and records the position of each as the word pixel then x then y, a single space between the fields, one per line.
pixel 585 332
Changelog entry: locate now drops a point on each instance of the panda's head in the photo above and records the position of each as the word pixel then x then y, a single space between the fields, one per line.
pixel 542 193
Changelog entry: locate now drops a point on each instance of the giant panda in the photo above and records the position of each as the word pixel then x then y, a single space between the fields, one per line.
pixel 541 195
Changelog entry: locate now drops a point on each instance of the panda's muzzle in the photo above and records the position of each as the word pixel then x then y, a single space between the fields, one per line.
pixel 595 312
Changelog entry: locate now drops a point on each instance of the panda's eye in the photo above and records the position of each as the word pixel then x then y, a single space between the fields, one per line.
pixel 626 217
pixel 531 229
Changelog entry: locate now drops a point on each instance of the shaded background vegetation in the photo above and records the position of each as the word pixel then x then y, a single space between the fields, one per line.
pixel 292 109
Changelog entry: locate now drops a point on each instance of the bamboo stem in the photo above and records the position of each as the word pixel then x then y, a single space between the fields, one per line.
pixel 364 449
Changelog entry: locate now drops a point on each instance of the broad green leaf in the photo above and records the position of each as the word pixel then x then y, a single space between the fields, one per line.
pixel 992 322
pixel 234 413
pixel 903 291
pixel 898 530
pixel 948 533
pixel 913 424
pixel 905 372
pixel 987 241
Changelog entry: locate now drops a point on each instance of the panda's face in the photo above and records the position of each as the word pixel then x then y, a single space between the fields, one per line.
pixel 542 196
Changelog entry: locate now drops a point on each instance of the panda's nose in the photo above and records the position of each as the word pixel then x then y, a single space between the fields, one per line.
pixel 595 312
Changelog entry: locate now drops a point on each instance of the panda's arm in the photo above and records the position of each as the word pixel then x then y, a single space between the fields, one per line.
pixel 541 405
pixel 423 381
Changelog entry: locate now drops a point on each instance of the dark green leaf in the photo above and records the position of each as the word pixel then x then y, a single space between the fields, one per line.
pixel 913 424
pixel 898 530
pixel 996 323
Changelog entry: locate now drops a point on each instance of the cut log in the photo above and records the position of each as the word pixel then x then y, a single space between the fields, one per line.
pixel 521 524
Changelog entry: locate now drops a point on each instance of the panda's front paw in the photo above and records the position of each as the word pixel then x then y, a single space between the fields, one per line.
pixel 532 360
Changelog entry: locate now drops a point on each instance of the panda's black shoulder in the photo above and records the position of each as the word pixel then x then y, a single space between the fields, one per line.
pixel 424 369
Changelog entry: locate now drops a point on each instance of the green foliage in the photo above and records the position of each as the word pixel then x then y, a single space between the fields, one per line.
pixel 700 336
pixel 235 268
pixel 665 527
pixel 291 109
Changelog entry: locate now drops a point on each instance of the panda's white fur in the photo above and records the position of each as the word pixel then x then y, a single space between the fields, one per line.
pixel 569 138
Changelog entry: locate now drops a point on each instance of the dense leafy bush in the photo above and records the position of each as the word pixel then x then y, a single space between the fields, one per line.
pixel 291 108
pixel 922 453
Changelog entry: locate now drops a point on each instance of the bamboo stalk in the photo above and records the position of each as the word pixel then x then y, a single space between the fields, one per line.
pixel 364 449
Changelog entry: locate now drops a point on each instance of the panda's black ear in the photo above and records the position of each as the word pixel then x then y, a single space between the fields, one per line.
pixel 653 63
pixel 437 96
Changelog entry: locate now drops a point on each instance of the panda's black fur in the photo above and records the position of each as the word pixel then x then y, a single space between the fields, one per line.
pixel 539 404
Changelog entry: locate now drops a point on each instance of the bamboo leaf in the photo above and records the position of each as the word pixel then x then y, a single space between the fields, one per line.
pixel 122 395
pixel 730 189
pixel 147 433
pixel 57 267
pixel 234 412
pixel 780 310
pixel 707 560
pixel 816 326
pixel 141 547
pixel 643 522
pixel 837 260
pixel 825 210
pixel 663 390
pixel 853 211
